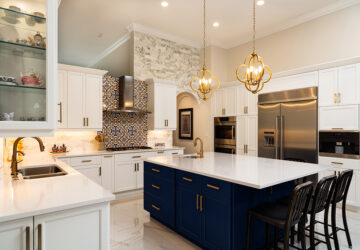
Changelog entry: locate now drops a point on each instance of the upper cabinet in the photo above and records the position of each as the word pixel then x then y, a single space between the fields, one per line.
pixel 224 102
pixel 339 86
pixel 28 67
pixel 162 105
pixel 79 98
pixel 246 102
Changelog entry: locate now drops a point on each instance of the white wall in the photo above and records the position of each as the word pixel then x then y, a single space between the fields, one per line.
pixel 1 152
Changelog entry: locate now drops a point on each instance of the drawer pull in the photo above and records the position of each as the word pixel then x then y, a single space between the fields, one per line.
pixel 86 161
pixel 337 163
pixel 197 201
pixel 136 156
pixel 154 186
pixel 187 179
pixel 337 128
pixel 213 187
pixel 161 152
pixel 27 230
pixel 108 156
pixel 175 153
pixel 157 208
pixel 201 203
pixel 39 237
pixel 155 170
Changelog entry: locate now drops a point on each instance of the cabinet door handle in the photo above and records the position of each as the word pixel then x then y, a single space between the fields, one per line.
pixel 155 170
pixel 134 167
pixel 187 179
pixel 39 237
pixel 339 97
pixel 87 121
pixel 337 128
pixel 27 230
pixel 154 186
pixel 201 203
pixel 99 171
pixel 213 187
pixel 197 202
pixel 86 161
pixel 335 97
pixel 108 156
pixel 84 122
pixel 337 163
pixel 60 111
pixel 161 152
pixel 165 123
pixel 138 166
pixel 157 208
pixel 136 156
pixel 175 153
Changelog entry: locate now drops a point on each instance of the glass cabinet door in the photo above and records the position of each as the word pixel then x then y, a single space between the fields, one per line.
pixel 24 62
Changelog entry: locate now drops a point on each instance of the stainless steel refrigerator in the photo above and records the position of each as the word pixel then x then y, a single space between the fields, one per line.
pixel 288 125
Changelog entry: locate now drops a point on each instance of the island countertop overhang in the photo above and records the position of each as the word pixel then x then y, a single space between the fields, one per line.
pixel 255 172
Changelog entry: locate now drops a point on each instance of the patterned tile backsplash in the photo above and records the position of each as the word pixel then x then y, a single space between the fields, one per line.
pixel 124 129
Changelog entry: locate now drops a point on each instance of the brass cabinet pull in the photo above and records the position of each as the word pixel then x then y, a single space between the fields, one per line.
pixel 161 152
pixel 87 121
pixel 337 163
pixel 134 167
pixel 339 97
pixel 187 179
pixel 136 156
pixel 246 109
pixel 197 202
pixel 27 230
pixel 201 203
pixel 108 156
pixel 337 128
pixel 157 208
pixel 86 161
pixel 335 97
pixel 60 107
pixel 213 187
pixel 156 170
pixel 84 122
pixel 223 111
pixel 100 171
pixel 175 153
pixel 39 237
pixel 154 186
pixel 165 123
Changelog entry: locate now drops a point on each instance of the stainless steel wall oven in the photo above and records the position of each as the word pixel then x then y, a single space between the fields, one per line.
pixel 225 134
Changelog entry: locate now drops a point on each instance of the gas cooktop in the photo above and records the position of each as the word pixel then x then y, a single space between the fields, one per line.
pixel 128 148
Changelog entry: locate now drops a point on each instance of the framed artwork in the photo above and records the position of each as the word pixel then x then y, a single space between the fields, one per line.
pixel 186 124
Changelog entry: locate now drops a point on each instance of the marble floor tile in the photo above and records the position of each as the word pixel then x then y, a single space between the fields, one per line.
pixel 132 228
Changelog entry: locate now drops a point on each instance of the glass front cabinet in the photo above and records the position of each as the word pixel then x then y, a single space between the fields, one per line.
pixel 28 67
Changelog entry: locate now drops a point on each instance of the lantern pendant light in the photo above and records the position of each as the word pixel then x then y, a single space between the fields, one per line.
pixel 202 83
pixel 252 72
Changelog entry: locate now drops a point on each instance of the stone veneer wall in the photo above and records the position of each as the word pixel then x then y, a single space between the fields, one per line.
pixel 155 57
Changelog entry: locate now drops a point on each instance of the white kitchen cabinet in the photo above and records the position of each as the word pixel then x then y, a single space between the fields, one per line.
pixel 17 235
pixel 79 228
pixel 225 102
pixel 162 105
pixel 81 97
pixel 140 175
pixel 247 134
pixel 246 102
pixel 342 117
pixel 62 99
pixel 93 172
pixel 107 172
pixel 125 174
pixel 339 86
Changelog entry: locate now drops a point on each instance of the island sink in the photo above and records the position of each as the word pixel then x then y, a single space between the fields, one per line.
pixel 42 171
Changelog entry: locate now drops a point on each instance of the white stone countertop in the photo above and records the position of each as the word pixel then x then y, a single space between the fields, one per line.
pixel 89 152
pixel 24 198
pixel 249 171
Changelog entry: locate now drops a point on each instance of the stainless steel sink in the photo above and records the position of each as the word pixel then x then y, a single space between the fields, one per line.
pixel 190 156
pixel 42 171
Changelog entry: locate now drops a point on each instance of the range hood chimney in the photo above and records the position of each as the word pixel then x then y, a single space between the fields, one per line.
pixel 126 97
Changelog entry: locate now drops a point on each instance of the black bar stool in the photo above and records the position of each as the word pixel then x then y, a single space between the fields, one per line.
pixel 321 201
pixel 283 217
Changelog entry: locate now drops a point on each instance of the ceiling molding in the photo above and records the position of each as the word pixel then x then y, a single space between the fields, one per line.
pixel 299 20
pixel 110 49
pixel 150 31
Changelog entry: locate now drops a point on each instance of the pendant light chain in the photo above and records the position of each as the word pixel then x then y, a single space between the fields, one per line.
pixel 254 30
pixel 204 32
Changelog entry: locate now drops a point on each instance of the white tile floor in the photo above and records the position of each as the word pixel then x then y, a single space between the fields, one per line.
pixel 132 228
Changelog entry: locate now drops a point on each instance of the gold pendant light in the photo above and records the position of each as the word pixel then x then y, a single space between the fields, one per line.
pixel 252 72
pixel 202 82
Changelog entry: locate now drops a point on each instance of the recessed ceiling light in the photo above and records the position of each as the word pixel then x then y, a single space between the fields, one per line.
pixel 164 4
pixel 260 2
pixel 216 24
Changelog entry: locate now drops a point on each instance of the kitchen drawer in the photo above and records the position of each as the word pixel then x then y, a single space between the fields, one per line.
pixel 216 189
pixel 159 171
pixel 340 162
pixel 132 156
pixel 160 209
pixel 175 152
pixel 159 187
pixel 189 180
pixel 85 160
pixel 65 160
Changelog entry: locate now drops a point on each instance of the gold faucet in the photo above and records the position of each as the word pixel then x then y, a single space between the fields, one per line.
pixel 201 153
pixel 14 162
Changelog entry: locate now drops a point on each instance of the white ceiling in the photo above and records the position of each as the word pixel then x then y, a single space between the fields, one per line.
pixel 88 27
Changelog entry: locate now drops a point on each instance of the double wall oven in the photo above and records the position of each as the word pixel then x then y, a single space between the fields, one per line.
pixel 225 134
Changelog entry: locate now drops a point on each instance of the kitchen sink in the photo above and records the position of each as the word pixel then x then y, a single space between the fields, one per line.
pixel 41 171
pixel 192 156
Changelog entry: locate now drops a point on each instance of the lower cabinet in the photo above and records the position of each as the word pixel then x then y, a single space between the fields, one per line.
pixel 93 172
pixel 127 173
pixel 73 229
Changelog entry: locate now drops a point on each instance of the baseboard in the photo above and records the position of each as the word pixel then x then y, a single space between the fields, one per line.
pixel 129 195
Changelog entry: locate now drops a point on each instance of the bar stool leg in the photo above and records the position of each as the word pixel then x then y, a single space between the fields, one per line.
pixel 292 235
pixel 345 224
pixel 312 231
pixel 301 227
pixel 333 225
pixel 248 232
pixel 276 237
pixel 267 228
pixel 326 228
pixel 286 239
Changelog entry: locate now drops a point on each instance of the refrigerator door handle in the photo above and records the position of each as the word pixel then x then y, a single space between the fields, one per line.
pixel 276 136
pixel 281 137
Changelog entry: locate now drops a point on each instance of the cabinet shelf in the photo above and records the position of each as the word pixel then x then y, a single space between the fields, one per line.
pixel 22 50
pixel 21 86
pixel 17 14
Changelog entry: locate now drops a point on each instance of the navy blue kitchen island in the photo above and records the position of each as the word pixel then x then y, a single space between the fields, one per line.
pixel 183 194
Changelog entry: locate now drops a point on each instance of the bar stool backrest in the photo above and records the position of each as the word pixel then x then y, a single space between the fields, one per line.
pixel 323 193
pixel 299 203
pixel 342 185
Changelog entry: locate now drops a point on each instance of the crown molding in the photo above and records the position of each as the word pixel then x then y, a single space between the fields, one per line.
pixel 299 20
pixel 110 49
pixel 67 67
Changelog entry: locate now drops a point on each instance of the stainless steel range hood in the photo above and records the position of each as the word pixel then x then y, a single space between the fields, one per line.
pixel 126 97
